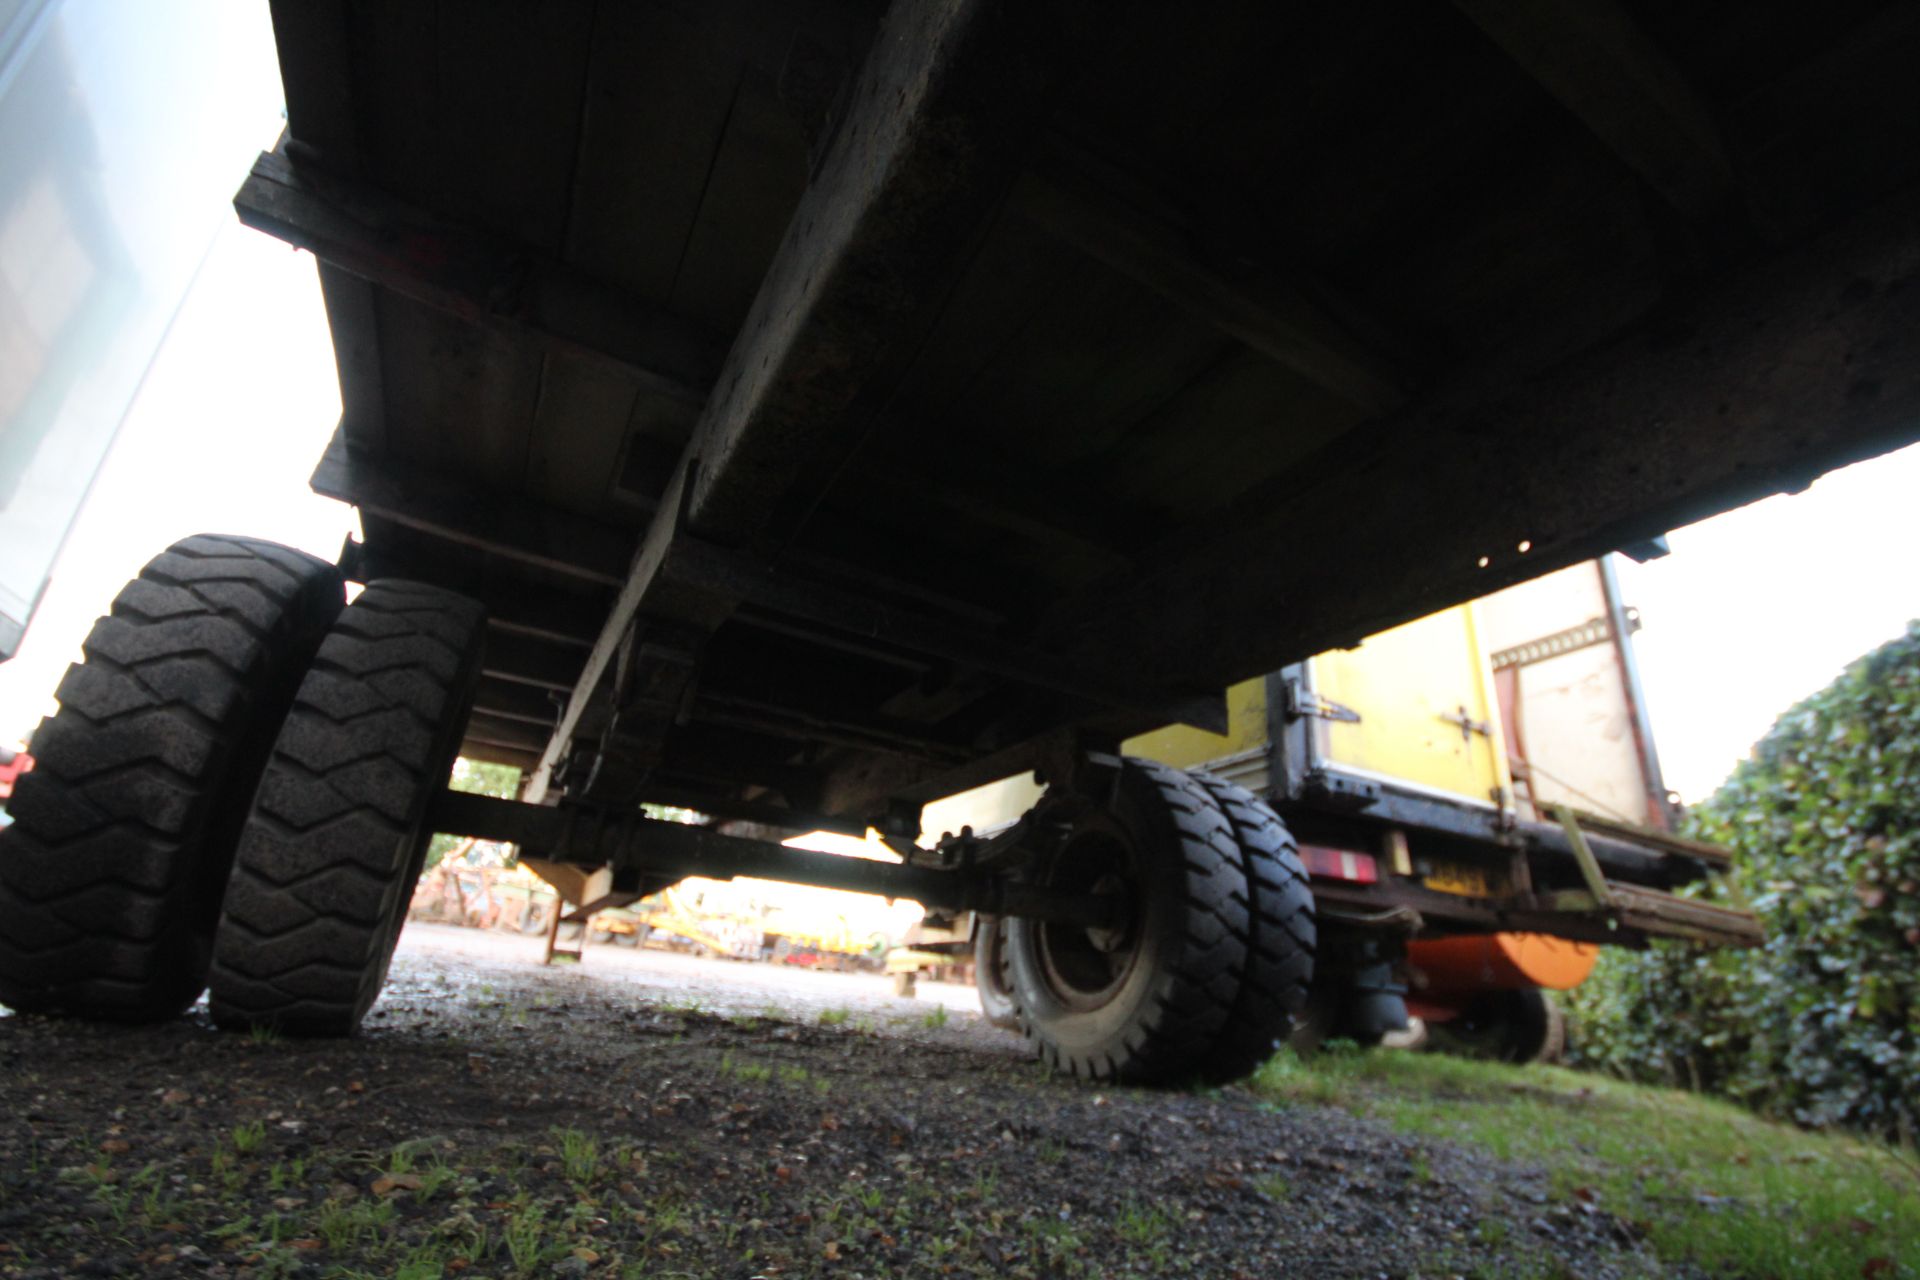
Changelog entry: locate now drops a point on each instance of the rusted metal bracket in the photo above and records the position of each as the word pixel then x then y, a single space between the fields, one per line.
pixel 1304 702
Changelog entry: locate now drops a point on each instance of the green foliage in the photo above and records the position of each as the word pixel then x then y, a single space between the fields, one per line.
pixel 1822 1024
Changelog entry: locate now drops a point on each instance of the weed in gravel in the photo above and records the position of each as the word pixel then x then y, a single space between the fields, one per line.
pixel 249 1137
pixel 405 1155
pixel 834 1017
pixel 527 1240
pixel 103 1184
pixel 1419 1167
pixel 1273 1185
pixel 434 1178
pixel 226 1170
pixel 351 1224
pixel 157 1204
pixel 262 1034
pixel 935 1018
pixel 1140 1224
pixel 579 1155
pixel 1148 1233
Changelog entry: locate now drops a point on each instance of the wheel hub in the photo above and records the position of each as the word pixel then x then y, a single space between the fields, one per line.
pixel 1083 967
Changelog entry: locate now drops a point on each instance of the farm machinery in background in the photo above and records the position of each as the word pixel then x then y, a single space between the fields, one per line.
pixel 700 917
pixel 1479 807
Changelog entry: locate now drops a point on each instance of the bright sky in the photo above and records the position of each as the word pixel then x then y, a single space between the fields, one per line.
pixel 1752 611
pixel 234 412
pixel 1758 608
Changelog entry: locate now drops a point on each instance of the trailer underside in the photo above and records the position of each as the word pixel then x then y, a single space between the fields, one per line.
pixel 830 405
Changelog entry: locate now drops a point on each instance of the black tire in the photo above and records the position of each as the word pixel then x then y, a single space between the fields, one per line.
pixel 1281 936
pixel 1503 1026
pixel 112 871
pixel 338 832
pixel 991 978
pixel 1144 1003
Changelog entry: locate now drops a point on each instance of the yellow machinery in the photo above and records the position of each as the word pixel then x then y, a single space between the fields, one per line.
pixel 1477 800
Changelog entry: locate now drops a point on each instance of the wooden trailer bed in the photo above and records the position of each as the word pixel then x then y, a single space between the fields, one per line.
pixel 830 403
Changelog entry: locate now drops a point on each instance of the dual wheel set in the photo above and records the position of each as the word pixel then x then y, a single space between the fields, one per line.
pixel 233 795
pixel 1212 962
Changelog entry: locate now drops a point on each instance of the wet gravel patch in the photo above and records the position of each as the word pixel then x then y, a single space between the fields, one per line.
pixel 502 1120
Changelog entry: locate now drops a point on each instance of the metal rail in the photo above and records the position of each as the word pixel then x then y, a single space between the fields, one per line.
pixel 629 841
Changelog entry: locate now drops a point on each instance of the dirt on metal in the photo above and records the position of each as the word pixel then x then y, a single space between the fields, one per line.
pixel 648 1114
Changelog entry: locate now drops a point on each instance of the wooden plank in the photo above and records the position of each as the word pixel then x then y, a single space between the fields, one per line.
pixel 1753 384
pixel 859 614
pixel 1243 422
pixel 475 276
pixel 1597 63
pixel 398 120
pixel 945 112
pixel 518 596
pixel 496 523
pixel 661 80
pixel 524 703
pixel 942 115
pixel 1067 375
pixel 1270 317
pixel 579 434
pixel 355 321
pixel 510 80
pixel 314 39
pixel 524 660
pixel 757 176
pixel 461 397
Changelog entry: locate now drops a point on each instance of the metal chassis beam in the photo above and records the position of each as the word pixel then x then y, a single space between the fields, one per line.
pixel 629 842
pixel 942 115
pixel 1754 383
pixel 532 533
pixel 472 274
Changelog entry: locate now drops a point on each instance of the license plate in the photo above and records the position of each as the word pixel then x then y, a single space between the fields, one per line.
pixel 1469 882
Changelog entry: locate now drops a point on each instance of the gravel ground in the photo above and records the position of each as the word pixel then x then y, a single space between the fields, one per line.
pixel 649 1114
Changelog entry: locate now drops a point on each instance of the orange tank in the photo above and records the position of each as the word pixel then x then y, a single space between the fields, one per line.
pixel 1498 962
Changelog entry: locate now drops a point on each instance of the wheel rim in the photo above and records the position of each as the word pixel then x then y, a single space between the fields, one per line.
pixel 1083 968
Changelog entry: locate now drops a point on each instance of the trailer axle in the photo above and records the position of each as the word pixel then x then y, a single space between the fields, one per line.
pixel 632 842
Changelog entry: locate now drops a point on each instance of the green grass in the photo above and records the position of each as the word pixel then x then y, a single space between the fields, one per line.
pixel 579 1155
pixel 1708 1182
pixel 935 1018
pixel 528 1242
pixel 834 1017
pixel 248 1138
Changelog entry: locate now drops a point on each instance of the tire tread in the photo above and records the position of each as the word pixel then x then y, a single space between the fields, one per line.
pixel 111 871
pixel 325 863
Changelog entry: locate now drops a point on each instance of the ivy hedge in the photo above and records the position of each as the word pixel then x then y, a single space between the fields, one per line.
pixel 1822 1024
